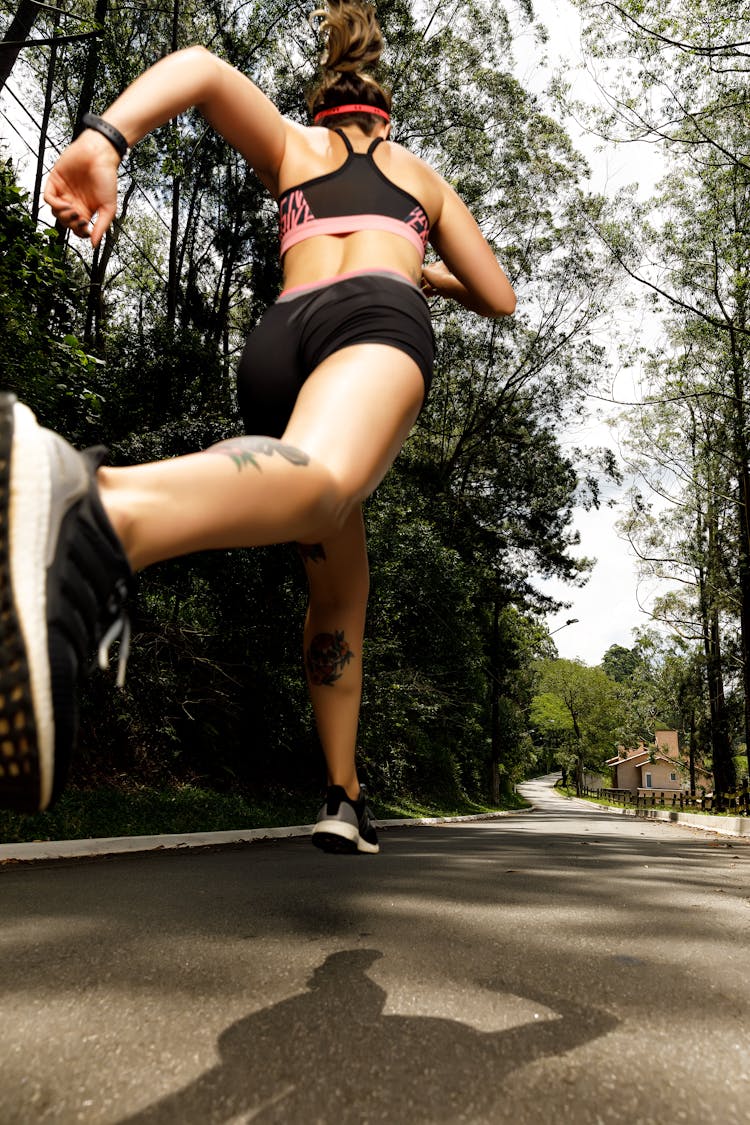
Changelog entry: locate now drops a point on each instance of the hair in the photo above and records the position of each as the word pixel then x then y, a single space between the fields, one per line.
pixel 353 43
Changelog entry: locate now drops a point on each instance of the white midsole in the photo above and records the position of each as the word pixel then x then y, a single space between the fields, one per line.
pixel 337 828
pixel 347 832
pixel 30 491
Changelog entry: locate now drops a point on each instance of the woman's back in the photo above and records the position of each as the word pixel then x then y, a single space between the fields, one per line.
pixel 312 153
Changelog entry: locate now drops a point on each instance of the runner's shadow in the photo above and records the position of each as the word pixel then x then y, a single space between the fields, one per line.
pixel 331 1054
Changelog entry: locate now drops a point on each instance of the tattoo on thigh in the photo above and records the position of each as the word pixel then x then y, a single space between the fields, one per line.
pixel 312 552
pixel 327 657
pixel 244 451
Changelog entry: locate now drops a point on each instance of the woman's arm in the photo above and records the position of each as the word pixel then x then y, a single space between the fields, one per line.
pixel 84 179
pixel 472 274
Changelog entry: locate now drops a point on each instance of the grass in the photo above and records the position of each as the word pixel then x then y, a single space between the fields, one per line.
pixel 408 807
pixel 86 814
pixel 568 792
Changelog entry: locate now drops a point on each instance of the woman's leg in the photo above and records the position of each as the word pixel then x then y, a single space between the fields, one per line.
pixel 338 575
pixel 63 573
pixel 350 421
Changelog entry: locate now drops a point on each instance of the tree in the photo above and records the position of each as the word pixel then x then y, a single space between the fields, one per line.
pixel 41 358
pixel 667 689
pixel 17 36
pixel 689 60
pixel 619 663
pixel 481 500
pixel 693 257
pixel 585 705
pixel 689 543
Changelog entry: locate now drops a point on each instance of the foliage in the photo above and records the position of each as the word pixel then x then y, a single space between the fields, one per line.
pixel 480 502
pixel 41 358
pixel 619 663
pixel 128 810
pixel 678 77
pixel 581 708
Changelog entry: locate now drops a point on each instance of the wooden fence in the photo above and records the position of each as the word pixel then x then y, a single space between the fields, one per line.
pixel 738 802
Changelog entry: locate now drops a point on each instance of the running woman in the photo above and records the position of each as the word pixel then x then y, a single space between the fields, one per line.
pixel 332 380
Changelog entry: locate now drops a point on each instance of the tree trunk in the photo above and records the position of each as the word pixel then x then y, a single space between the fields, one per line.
pixel 86 96
pixel 95 310
pixel 48 91
pixel 691 751
pixel 742 457
pixel 188 243
pixel 173 276
pixel 579 752
pixel 707 531
pixel 721 750
pixel 495 706
pixel 221 309
pixel 17 33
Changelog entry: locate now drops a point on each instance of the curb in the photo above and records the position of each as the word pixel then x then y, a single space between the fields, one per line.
pixel 37 850
pixel 721 825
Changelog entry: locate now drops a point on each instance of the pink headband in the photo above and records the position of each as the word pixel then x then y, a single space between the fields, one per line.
pixel 351 109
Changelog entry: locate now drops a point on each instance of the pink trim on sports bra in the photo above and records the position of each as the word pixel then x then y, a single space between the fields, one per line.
pixel 413 228
pixel 322 205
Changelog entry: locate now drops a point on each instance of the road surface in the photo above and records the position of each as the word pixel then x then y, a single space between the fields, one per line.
pixel 565 965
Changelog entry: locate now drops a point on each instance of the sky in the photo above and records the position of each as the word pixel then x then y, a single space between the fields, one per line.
pixel 606 609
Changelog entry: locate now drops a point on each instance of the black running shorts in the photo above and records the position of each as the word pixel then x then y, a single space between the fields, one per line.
pixel 306 326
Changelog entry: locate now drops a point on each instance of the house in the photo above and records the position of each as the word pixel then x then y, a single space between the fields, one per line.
pixel 654 767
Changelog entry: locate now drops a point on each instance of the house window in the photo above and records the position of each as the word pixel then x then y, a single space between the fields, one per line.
pixel 649 782
pixel 673 777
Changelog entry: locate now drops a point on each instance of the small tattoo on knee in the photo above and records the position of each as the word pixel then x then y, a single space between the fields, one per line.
pixel 312 552
pixel 245 450
pixel 327 657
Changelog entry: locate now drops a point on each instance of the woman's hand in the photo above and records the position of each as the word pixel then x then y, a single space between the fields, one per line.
pixel 83 184
pixel 438 281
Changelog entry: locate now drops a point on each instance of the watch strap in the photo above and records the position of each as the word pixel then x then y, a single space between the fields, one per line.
pixel 114 136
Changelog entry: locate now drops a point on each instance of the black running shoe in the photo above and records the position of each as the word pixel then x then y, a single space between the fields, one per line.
pixel 344 825
pixel 64 579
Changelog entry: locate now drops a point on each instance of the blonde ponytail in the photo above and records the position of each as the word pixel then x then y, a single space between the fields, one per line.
pixel 352 46
pixel 352 37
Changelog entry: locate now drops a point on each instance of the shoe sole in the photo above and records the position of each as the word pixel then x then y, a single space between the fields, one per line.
pixel 341 839
pixel 26 717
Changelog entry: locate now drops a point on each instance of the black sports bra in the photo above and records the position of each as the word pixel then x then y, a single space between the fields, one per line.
pixel 356 196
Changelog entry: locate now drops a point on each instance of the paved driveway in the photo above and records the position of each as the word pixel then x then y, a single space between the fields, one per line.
pixel 559 966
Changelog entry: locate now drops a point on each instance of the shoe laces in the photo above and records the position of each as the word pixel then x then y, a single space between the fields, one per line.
pixel 119 629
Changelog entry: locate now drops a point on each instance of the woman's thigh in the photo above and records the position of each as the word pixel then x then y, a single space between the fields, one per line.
pixel 354 413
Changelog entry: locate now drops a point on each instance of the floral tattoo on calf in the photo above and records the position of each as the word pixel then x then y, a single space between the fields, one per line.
pixel 244 451
pixel 327 657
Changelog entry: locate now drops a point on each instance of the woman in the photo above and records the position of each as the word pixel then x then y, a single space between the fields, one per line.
pixel 333 379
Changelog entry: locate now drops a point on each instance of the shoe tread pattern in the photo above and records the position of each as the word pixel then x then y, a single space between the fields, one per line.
pixel 334 844
pixel 20 779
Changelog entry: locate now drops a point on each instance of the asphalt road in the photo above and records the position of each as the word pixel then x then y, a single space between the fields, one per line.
pixel 559 966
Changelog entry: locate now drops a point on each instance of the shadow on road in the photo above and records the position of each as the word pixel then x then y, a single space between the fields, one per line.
pixel 331 1053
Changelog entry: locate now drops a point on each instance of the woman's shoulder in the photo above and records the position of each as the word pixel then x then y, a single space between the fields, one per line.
pixel 306 139
pixel 307 153
pixel 399 164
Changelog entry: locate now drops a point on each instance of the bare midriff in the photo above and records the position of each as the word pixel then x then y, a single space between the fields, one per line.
pixel 325 257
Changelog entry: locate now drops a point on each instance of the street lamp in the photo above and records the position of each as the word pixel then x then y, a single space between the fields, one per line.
pixel 570 621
